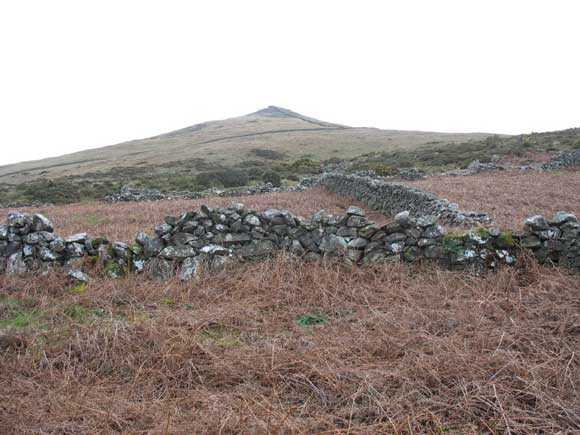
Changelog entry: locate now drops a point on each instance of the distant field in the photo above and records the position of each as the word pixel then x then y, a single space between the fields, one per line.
pixel 510 197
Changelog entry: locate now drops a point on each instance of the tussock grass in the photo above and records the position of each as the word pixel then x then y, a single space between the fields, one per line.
pixel 403 350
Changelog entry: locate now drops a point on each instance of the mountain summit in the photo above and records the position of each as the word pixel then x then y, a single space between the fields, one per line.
pixel 280 112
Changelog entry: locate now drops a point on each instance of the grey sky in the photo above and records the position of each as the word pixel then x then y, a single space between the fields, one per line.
pixel 80 74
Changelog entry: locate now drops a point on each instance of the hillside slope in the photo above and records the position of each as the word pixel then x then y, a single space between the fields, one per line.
pixel 279 133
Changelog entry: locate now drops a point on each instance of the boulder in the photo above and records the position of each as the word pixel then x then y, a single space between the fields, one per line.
pixel 536 223
pixel 355 211
pixel 189 269
pixel 333 244
pixel 78 276
pixel 160 269
pixel 41 223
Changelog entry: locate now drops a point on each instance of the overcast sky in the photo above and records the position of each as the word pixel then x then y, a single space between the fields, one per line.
pixel 83 74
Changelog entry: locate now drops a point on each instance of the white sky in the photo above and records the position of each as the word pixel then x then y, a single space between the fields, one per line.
pixel 82 74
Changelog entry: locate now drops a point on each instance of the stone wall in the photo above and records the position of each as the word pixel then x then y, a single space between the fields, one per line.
pixel 392 198
pixel 567 159
pixel 209 238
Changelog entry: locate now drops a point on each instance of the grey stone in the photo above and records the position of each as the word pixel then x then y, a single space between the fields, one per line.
pixel 403 218
pixel 551 233
pixel 433 232
pixel 237 207
pixel 358 243
pixel 393 227
pixel 76 238
pixel 74 250
pixel 395 248
pixel 120 249
pixel 3 248
pixel 347 232
pixel 563 217
pixel 42 223
pixel 189 226
pixel 530 242
pixel 395 237
pixel 182 239
pixel 138 264
pixel 356 221
pixel 411 254
pixel 258 248
pixel 321 217
pixel 214 250
pixel 160 269
pixel 189 269
pixel 19 220
pixel 536 223
pixel 434 252
pixel 252 220
pixel 33 238
pixel 45 254
pixel 425 242
pixel 355 211
pixel 333 244
pixel 28 250
pixel 297 248
pixel 177 252
pixel 426 221
pixel 152 246
pixel 15 265
pixel 367 231
pixel 354 255
pixel 57 245
pixel 47 236
pixel 171 221
pixel 78 276
pixel 3 232
pixel 163 229
pixel 232 238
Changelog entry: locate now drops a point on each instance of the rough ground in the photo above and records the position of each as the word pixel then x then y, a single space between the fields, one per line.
pixel 284 347
pixel 397 350
pixel 510 197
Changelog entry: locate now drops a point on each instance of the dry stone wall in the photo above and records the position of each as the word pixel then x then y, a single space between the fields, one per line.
pixel 208 238
pixel 392 198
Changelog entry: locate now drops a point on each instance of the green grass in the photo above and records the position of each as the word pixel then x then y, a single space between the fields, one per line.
pixel 81 314
pixel 221 335
pixel 19 320
pixel 312 319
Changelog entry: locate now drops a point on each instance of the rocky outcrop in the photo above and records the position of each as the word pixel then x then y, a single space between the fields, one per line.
pixel 207 239
pixel 392 198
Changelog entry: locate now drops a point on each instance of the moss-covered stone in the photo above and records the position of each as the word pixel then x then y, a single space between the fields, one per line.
pixel 114 270
pixel 506 240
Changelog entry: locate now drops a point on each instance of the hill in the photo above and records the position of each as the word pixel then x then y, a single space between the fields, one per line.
pixel 269 134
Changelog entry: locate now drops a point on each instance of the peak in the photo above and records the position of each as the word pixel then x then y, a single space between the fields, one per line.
pixel 274 112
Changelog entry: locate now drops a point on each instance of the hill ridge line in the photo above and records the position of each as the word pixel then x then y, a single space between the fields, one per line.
pixel 261 133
